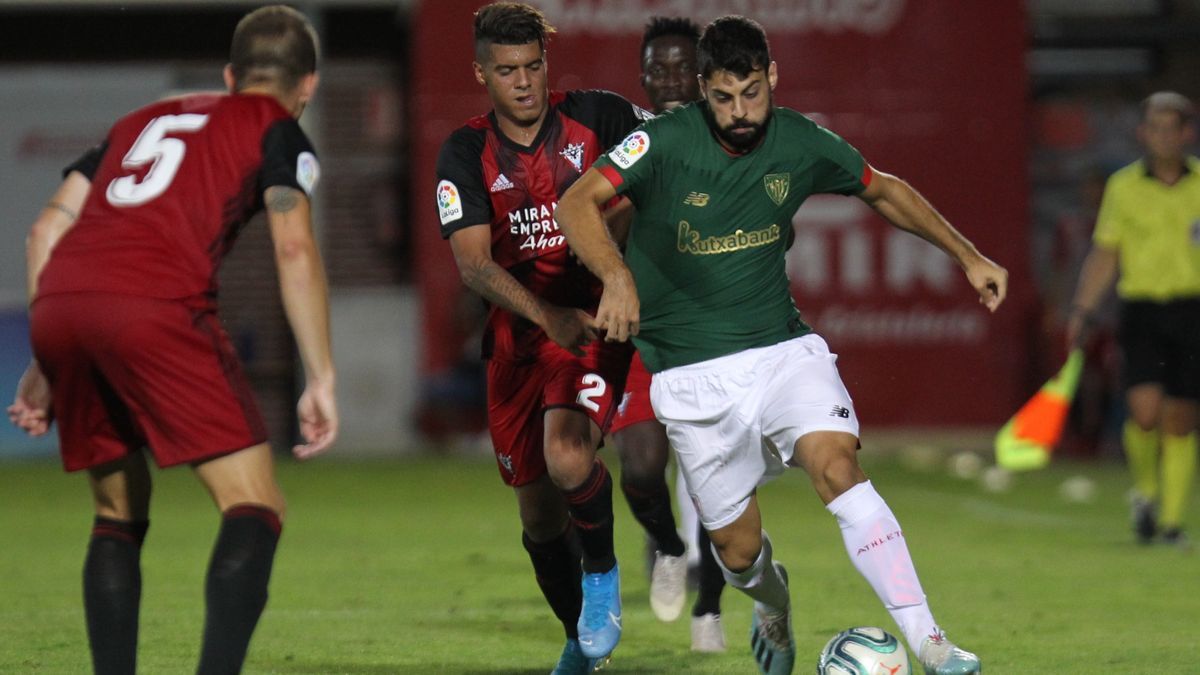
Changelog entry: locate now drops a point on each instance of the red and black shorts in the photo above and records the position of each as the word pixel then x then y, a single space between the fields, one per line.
pixel 128 372
pixel 520 393
pixel 1160 343
pixel 635 404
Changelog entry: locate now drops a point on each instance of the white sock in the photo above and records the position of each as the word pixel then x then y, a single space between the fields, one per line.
pixel 877 548
pixel 689 520
pixel 761 580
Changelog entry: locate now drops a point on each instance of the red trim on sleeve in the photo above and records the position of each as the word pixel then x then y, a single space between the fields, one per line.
pixel 612 176
pixel 868 172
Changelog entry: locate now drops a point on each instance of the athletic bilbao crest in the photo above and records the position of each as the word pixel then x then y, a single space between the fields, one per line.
pixel 777 185
pixel 573 153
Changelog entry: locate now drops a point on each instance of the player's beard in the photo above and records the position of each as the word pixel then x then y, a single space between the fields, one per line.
pixel 747 141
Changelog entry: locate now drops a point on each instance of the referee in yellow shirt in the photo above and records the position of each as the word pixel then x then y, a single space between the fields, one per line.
pixel 1148 235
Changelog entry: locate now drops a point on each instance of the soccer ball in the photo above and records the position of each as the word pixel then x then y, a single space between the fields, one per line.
pixel 863 651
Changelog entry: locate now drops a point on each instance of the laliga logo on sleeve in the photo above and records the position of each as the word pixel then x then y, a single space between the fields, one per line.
pixel 308 171
pixel 449 203
pixel 631 149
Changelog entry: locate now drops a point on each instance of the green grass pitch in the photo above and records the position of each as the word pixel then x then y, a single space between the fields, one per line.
pixel 417 567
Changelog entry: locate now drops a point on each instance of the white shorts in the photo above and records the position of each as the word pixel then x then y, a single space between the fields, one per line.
pixel 734 420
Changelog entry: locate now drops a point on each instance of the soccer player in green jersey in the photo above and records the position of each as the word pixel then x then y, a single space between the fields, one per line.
pixel 1148 235
pixel 744 387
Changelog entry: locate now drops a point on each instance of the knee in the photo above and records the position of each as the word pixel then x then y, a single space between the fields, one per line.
pixel 129 508
pixel 569 459
pixel 835 472
pixel 544 525
pixel 123 495
pixel 644 454
pixel 264 494
pixel 738 554
pixel 568 445
pixel 274 502
pixel 109 506
pixel 1179 417
pixel 738 545
pixel 279 506
pixel 642 473
pixel 542 510
pixel 269 495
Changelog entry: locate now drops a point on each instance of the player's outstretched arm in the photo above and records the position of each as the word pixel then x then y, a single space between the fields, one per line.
pixel 579 216
pixel 568 327
pixel 905 208
pixel 305 295
pixel 31 409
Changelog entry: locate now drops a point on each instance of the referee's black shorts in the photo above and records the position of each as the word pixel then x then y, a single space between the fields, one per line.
pixel 1160 343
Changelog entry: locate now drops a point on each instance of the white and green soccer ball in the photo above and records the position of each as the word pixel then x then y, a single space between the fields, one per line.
pixel 863 651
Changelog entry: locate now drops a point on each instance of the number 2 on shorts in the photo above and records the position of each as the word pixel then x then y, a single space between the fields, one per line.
pixel 595 390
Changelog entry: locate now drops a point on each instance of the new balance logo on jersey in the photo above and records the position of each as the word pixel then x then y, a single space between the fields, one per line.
pixel 840 411
pixel 501 183
pixel 697 199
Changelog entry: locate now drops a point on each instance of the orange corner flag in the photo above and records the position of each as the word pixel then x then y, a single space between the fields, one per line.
pixel 1026 441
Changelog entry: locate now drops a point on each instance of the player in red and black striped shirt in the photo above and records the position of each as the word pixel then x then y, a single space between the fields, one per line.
pixel 552 387
pixel 128 347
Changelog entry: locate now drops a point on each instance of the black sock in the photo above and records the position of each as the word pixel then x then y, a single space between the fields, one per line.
pixel 235 591
pixel 556 565
pixel 712 581
pixel 112 593
pixel 651 506
pixel 590 506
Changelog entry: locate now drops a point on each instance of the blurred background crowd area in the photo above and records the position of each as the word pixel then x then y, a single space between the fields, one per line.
pixel 1008 115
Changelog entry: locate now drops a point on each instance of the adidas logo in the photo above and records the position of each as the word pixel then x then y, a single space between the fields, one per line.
pixel 502 183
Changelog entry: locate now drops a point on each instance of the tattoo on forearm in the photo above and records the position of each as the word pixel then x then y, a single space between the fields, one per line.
pixel 282 199
pixel 499 288
pixel 59 206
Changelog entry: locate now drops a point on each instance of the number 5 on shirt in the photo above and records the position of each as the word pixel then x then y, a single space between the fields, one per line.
pixel 165 153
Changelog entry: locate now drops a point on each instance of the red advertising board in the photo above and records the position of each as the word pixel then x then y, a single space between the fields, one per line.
pixel 933 91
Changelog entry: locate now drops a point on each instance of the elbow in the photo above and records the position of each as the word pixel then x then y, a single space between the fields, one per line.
pixel 884 189
pixel 289 251
pixel 465 276
pixel 43 234
pixel 469 273
pixel 564 213
pixel 35 239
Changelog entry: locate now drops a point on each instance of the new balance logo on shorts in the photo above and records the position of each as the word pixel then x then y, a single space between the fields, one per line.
pixel 840 411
